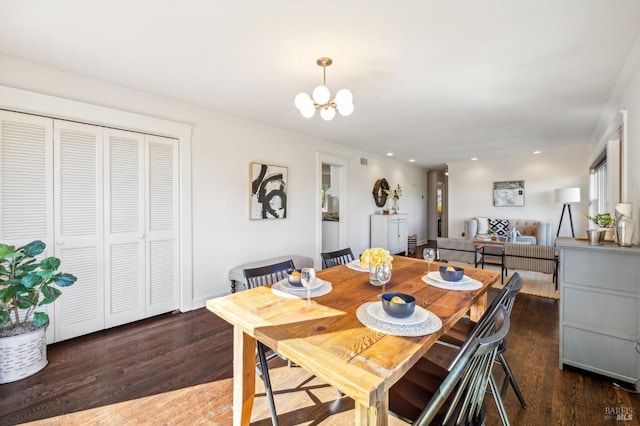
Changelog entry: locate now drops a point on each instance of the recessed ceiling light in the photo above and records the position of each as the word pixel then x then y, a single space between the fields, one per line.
pixel 389 154
pixel 537 151
pixel 412 160
pixel 474 158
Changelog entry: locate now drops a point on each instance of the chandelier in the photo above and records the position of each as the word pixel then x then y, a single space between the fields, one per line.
pixel 321 98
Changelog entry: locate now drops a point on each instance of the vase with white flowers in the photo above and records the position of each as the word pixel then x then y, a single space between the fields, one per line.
pixel 395 198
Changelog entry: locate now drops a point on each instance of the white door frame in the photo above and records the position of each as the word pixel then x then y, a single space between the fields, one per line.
pixel 343 205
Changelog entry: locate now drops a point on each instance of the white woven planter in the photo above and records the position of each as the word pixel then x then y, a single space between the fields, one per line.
pixel 22 355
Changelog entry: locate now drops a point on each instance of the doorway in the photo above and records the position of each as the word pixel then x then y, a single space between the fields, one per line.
pixel 332 204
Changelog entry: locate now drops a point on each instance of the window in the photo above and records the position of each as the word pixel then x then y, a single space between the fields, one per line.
pixel 598 193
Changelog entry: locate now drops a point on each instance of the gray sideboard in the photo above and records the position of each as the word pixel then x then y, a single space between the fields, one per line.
pixel 600 308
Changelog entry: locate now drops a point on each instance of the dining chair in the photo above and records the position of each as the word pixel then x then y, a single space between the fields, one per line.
pixel 256 277
pixel 465 329
pixel 268 274
pixel 429 394
pixel 338 257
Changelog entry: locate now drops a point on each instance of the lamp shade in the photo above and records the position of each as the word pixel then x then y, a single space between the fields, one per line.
pixel 568 195
pixel 624 209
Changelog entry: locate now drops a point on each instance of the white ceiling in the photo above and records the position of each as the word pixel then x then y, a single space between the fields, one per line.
pixel 438 81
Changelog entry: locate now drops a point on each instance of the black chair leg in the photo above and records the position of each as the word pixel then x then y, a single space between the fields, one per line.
pixel 512 380
pixel 267 382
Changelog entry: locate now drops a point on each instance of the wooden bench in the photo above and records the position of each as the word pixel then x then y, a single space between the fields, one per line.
pixel 236 274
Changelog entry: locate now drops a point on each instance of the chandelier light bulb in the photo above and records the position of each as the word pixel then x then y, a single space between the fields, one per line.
pixel 308 111
pixel 344 96
pixel 345 109
pixel 321 95
pixel 303 101
pixel 327 113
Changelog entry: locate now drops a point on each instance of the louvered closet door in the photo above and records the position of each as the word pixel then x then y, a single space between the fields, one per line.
pixel 162 224
pixel 26 179
pixel 26 184
pixel 78 187
pixel 124 227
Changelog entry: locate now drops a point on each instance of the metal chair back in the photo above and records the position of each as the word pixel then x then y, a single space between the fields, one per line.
pixel 465 385
pixel 504 298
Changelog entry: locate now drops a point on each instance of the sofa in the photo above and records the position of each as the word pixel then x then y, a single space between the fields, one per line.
pixel 534 232
pixel 531 232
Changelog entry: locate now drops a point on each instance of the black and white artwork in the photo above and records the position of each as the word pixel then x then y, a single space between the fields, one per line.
pixel 508 193
pixel 268 191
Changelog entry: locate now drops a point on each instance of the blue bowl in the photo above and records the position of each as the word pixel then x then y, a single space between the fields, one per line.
pixel 295 279
pixel 455 275
pixel 399 310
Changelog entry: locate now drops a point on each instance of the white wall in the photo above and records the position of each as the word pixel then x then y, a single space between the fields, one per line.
pixel 222 148
pixel 625 96
pixel 631 102
pixel 471 189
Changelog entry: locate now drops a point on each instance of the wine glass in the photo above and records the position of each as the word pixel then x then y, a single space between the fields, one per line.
pixel 308 279
pixel 429 255
pixel 383 274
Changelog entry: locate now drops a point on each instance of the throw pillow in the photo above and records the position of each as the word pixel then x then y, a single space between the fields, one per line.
pixel 499 227
pixel 483 225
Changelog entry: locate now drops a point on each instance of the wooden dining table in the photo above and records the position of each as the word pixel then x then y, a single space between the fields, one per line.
pixel 329 341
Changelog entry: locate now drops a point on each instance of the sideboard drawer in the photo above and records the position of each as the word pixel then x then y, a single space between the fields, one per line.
pixel 600 353
pixel 602 269
pixel 598 311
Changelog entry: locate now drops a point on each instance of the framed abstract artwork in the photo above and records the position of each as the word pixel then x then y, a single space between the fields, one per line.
pixel 508 193
pixel 268 187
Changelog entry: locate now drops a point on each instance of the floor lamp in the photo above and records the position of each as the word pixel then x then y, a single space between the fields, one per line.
pixel 566 196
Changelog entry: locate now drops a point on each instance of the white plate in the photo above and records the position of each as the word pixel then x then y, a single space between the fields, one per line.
pixel 286 284
pixel 437 277
pixel 377 311
pixel 357 266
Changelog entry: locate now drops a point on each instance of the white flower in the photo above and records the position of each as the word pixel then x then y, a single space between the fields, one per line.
pixel 396 193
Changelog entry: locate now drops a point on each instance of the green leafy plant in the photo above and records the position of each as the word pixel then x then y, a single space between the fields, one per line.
pixel 26 284
pixel 603 220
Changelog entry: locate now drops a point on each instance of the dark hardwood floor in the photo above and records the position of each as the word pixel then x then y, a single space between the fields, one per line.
pixel 176 369
pixel 149 357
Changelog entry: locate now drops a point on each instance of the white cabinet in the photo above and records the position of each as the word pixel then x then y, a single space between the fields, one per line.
pixel 105 202
pixel 600 308
pixel 390 232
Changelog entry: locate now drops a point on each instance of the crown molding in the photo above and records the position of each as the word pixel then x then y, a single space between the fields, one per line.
pixel 607 123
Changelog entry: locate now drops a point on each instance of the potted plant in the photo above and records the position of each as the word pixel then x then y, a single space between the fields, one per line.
pixel 602 220
pixel 25 285
pixel 604 230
